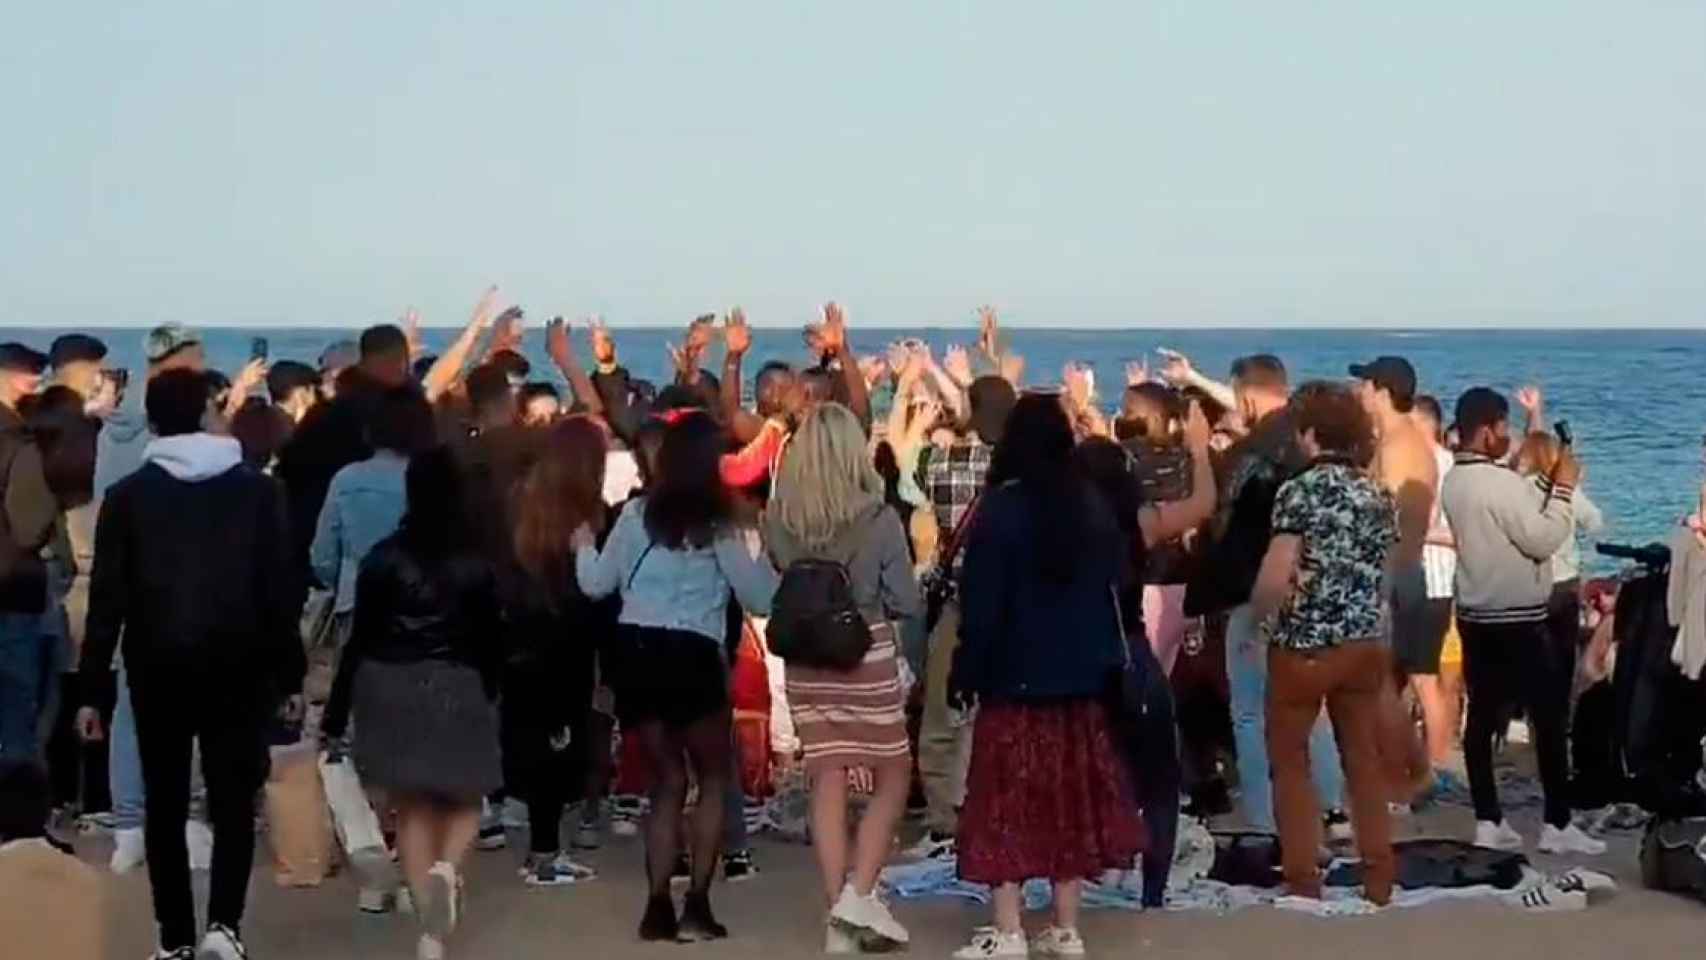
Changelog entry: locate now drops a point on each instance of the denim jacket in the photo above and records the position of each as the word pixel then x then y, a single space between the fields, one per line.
pixel 363 506
pixel 675 589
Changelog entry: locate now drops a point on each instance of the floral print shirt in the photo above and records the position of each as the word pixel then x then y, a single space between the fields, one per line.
pixel 1347 522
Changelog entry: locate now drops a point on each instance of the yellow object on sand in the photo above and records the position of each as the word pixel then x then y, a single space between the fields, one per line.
pixel 1452 651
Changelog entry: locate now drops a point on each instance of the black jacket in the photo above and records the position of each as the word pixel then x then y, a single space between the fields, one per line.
pixel 1250 476
pixel 27 512
pixel 332 436
pixel 196 577
pixel 410 611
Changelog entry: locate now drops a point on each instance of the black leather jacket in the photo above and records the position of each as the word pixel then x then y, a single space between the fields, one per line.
pixel 409 611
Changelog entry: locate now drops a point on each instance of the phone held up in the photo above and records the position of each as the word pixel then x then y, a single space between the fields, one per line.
pixel 1563 432
pixel 259 348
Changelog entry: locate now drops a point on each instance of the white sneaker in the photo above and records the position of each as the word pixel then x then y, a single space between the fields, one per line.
pixel 838 942
pixel 515 815
pixel 1571 839
pixel 442 898
pixel 130 850
pixel 198 837
pixel 989 943
pixel 1497 836
pixel 429 947
pixel 1547 898
pixel 221 943
pixel 1058 942
pixel 868 914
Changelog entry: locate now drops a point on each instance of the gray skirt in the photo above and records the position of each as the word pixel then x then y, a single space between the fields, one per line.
pixel 426 728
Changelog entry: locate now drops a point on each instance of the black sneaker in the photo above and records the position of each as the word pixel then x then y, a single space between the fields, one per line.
pixel 659 923
pixel 697 921
pixel 1338 827
pixel 738 866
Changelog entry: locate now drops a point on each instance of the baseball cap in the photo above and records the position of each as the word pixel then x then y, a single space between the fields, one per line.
pixel 1480 407
pixel 75 348
pixel 1392 374
pixel 167 339
pixel 18 358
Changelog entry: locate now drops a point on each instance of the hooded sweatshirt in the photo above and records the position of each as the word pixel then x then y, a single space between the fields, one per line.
pixel 192 565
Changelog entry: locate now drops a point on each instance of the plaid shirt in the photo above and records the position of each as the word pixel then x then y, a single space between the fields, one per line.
pixel 952 478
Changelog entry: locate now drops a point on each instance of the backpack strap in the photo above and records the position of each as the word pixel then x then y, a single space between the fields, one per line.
pixel 957 539
pixel 640 562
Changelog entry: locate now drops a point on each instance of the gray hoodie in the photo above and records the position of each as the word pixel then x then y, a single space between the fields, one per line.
pixel 123 438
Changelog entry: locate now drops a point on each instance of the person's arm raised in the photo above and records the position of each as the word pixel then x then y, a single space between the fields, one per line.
pixel 1178 371
pixel 447 369
pixel 737 340
pixel 1532 400
pixel 834 336
pixel 253 374
pixel 562 350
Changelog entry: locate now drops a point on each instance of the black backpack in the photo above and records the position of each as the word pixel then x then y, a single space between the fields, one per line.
pixel 1673 856
pixel 814 620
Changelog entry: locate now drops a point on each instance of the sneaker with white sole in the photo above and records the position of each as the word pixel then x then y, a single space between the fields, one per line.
pixel 442 900
pixel 221 943
pixel 1337 826
pixel 198 837
pixel 991 944
pixel 491 835
pixel 1058 942
pixel 933 846
pixel 738 867
pixel 515 815
pixel 429 947
pixel 182 953
pixel 1571 839
pixel 838 942
pixel 867 914
pixel 130 850
pixel 374 902
pixel 1497 836
pixel 555 870
pixel 1547 898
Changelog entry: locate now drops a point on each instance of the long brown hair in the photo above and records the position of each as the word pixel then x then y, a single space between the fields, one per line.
pixel 562 490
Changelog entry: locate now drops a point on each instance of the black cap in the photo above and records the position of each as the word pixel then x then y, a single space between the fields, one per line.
pixel 75 348
pixel 18 358
pixel 1392 374
pixel 1480 407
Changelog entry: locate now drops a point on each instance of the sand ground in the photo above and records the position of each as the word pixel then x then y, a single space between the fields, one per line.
pixel 776 915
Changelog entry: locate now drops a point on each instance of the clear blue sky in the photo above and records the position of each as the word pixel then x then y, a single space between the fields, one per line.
pixel 1109 163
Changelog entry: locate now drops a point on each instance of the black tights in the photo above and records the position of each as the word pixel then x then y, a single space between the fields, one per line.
pixel 705 744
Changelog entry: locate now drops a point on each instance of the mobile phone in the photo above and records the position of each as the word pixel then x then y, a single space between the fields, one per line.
pixel 1563 432
pixel 258 348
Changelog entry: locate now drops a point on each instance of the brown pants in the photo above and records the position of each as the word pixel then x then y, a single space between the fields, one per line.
pixel 1349 680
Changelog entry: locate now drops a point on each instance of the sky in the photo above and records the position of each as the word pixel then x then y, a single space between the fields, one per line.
pixel 1198 163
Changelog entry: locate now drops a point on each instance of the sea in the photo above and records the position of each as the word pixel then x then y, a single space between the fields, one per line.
pixel 1636 399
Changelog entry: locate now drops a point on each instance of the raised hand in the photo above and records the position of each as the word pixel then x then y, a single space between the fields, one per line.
pixel 557 342
pixel 812 334
pixel 701 332
pixel 898 356
pixel 603 345
pixel 1137 373
pixel 1013 369
pixel 988 332
pixel 506 332
pixel 737 336
pixel 957 363
pixel 873 369
pixel 1176 368
pixel 1076 379
pixel 1530 399
pixel 486 310
pixel 834 330
pixel 411 323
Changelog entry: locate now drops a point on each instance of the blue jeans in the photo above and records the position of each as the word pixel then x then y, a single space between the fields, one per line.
pixel 28 674
pixel 1247 675
pixel 124 762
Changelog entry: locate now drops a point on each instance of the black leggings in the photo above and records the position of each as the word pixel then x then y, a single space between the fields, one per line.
pixel 1511 664
pixel 1158 773
pixel 705 744
pixel 228 717
pixel 543 702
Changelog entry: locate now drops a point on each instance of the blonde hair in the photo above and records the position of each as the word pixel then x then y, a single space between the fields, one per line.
pixel 826 479
pixel 1538 455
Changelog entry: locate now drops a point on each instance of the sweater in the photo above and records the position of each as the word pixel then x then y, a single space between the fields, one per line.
pixel 1507 527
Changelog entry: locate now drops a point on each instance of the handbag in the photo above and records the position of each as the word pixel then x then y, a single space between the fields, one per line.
pixel 939 585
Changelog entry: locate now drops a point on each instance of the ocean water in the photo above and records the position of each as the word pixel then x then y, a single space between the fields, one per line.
pixel 1636 399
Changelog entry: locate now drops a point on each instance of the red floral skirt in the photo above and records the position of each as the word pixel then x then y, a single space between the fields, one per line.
pixel 1046 796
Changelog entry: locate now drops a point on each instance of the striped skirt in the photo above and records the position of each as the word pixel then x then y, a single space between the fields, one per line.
pixel 855 718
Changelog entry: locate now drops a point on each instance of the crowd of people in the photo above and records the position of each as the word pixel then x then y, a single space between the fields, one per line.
pixel 471 584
